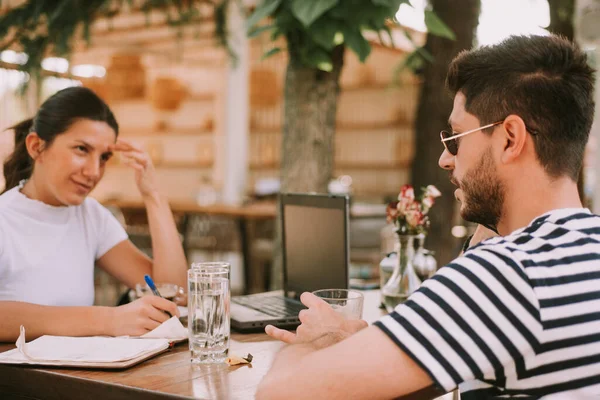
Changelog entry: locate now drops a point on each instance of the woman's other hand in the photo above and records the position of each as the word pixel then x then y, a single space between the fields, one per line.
pixel 140 316
pixel 135 157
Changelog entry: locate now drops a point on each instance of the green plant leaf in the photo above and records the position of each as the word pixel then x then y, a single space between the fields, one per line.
pixel 415 62
pixel 319 58
pixel 307 11
pixel 323 32
pixel 275 34
pixel 395 4
pixel 391 36
pixel 423 52
pixel 270 53
pixel 266 8
pixel 255 31
pixel 356 42
pixel 437 27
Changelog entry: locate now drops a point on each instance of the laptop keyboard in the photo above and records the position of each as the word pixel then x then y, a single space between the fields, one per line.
pixel 271 305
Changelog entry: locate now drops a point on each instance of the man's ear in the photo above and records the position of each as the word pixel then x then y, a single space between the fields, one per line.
pixel 515 137
pixel 35 145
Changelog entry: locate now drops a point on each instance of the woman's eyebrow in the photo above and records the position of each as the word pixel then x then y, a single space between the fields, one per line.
pixel 86 144
pixel 91 147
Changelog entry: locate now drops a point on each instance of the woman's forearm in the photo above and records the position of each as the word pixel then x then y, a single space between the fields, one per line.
pixel 50 320
pixel 169 263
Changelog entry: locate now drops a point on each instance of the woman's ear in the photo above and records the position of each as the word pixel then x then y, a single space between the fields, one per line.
pixel 515 138
pixel 35 145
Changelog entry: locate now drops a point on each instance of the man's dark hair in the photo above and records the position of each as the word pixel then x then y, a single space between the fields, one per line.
pixel 546 80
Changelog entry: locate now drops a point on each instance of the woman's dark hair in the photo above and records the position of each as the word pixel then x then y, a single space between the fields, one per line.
pixel 546 80
pixel 54 117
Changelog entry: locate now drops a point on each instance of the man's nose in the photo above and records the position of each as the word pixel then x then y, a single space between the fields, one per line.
pixel 446 160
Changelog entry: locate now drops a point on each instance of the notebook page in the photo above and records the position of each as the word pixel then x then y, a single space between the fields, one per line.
pixel 90 349
pixel 170 329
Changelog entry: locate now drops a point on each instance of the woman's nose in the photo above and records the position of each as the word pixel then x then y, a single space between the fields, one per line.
pixel 92 169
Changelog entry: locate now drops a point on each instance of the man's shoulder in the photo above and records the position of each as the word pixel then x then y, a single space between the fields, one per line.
pixel 498 256
pixel 499 246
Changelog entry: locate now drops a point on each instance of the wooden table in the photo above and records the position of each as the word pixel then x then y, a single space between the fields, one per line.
pixel 167 376
pixel 244 215
pixel 257 210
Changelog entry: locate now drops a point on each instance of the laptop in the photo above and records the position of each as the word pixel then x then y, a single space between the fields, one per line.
pixel 315 255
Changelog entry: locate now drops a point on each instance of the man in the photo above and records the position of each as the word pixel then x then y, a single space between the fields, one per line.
pixel 516 315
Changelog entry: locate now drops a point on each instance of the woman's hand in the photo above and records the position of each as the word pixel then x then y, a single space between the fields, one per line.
pixel 140 316
pixel 321 325
pixel 139 160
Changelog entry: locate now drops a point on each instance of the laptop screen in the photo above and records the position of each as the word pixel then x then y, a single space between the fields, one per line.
pixel 315 242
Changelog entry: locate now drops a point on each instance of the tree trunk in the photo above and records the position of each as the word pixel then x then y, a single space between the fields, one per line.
pixel 307 154
pixel 435 107
pixel 562 15
pixel 309 125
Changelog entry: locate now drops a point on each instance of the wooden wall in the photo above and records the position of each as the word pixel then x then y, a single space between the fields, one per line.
pixel 374 140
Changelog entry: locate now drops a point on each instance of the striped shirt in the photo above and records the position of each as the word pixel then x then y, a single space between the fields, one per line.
pixel 515 317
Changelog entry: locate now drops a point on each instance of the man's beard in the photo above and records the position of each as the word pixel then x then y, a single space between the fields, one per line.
pixel 483 193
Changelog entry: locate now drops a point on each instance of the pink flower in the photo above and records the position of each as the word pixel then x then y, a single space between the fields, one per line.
pixel 406 192
pixel 413 218
pixel 432 191
pixel 404 205
pixel 392 212
pixel 428 202
pixel 409 214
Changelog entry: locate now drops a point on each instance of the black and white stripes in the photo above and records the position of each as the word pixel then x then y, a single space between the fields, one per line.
pixel 517 316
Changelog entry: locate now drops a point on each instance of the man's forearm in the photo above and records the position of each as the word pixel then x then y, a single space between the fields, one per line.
pixel 283 365
pixel 289 355
pixel 48 320
pixel 286 360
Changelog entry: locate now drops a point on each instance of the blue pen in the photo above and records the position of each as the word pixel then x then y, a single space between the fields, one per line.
pixel 152 287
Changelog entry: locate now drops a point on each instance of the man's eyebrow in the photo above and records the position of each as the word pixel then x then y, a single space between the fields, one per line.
pixel 452 124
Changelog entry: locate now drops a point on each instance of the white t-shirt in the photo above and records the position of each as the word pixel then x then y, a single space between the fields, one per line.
pixel 47 253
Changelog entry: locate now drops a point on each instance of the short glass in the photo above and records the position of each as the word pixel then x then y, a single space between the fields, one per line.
pixel 349 303
pixel 208 312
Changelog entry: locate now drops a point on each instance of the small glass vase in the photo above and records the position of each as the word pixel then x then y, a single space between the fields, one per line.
pixel 424 262
pixel 404 280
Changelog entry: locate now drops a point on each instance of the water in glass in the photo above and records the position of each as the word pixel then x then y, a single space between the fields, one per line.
pixel 208 314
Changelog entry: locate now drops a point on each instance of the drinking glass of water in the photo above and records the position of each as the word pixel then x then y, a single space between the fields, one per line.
pixel 208 312
pixel 349 303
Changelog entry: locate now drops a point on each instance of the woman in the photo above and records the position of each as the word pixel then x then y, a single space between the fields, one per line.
pixel 52 234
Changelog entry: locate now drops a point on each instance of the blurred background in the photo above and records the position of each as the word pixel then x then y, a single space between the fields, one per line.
pixel 236 101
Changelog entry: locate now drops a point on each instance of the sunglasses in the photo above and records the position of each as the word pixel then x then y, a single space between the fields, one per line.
pixel 449 138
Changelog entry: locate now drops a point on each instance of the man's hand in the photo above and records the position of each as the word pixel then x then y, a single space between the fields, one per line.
pixel 320 325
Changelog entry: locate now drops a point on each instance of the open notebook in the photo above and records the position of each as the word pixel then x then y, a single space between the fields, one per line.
pixel 96 351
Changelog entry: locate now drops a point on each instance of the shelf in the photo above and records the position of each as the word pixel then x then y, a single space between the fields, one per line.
pixel 172 165
pixel 342 128
pixel 129 132
pixel 369 87
pixel 200 97
pixel 372 166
